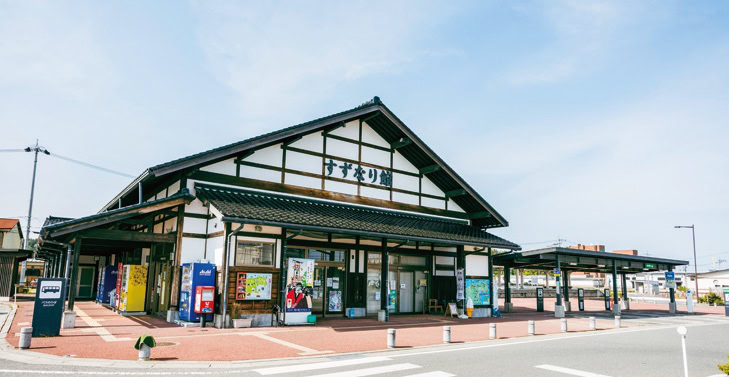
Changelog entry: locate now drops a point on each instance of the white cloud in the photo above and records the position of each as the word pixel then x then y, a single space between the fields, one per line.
pixel 49 47
pixel 580 35
pixel 274 56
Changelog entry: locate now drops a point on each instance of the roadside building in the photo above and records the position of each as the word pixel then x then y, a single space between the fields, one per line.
pixel 712 281
pixel 355 202
pixel 11 254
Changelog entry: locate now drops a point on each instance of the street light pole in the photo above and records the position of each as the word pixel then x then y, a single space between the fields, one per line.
pixel 696 267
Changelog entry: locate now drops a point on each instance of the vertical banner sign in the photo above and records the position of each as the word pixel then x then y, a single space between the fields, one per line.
pixel 460 284
pixel 300 285
pixel 48 307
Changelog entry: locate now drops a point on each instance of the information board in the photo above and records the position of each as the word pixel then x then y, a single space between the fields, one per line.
pixel 253 286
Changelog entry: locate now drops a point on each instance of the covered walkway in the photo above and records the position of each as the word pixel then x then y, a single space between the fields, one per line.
pixel 563 261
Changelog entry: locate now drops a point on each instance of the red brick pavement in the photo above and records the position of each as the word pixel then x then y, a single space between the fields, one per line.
pixel 101 333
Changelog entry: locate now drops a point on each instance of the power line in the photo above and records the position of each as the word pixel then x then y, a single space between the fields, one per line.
pixel 12 150
pixel 88 165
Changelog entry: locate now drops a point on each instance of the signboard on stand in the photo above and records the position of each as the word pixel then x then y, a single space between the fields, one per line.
pixel 478 292
pixel 581 299
pixel 726 302
pixel 299 289
pixel 540 299
pixel 48 308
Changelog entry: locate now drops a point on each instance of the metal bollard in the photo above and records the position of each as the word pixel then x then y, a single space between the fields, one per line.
pixel 563 324
pixel 617 321
pixel 144 352
pixel 531 327
pixel 592 324
pixel 26 334
pixel 492 331
pixel 390 338
pixel 446 334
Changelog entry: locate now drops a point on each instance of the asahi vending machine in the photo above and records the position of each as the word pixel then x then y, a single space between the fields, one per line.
pixel 194 275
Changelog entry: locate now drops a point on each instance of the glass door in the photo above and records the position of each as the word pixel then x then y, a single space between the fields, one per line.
pixel 406 292
pixel 85 283
pixel 317 297
pixel 334 289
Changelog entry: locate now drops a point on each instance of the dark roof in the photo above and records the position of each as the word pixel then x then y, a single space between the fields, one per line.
pixel 584 260
pixel 367 104
pixel 182 194
pixel 255 207
pixel 52 220
pixel 384 122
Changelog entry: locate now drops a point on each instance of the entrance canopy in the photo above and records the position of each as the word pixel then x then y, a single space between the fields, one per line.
pixel 255 207
pixel 584 260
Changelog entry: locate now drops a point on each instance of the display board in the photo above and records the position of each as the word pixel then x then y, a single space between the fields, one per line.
pixel 253 286
pixel 299 287
pixel 478 291
pixel 335 301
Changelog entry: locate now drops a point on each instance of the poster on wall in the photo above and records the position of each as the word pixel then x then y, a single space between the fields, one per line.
pixel 335 301
pixel 251 286
pixel 460 276
pixel 299 287
pixel 478 291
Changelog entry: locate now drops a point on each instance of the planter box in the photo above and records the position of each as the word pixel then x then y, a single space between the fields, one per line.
pixel 242 323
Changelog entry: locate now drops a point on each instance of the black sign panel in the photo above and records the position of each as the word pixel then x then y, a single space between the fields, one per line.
pixel 581 299
pixel 607 299
pixel 540 299
pixel 48 310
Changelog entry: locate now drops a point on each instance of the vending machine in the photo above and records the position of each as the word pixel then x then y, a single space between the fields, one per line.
pixel 107 283
pixel 133 288
pixel 194 275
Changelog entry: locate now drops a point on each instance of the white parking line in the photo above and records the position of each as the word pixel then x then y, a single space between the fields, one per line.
pixel 371 371
pixel 573 372
pixel 315 366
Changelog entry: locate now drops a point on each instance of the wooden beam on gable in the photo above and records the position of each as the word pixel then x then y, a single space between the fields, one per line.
pixel 373 116
pixel 244 155
pixel 456 192
pixel 291 141
pixel 430 169
pixel 330 129
pixel 479 215
pixel 401 143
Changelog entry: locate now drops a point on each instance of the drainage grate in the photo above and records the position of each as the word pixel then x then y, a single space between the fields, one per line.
pixel 167 344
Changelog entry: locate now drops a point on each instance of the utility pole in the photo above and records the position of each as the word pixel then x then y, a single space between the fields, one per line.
pixel 36 148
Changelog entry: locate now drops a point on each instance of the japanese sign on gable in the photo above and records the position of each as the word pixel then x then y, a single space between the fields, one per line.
pixel 351 171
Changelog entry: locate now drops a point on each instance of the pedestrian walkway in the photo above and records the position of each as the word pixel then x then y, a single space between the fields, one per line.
pixel 101 333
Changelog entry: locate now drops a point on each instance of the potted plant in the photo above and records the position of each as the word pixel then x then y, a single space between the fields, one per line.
pixel 238 321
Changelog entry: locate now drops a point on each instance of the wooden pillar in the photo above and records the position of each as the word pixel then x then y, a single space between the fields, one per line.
pixel 74 273
pixel 461 264
pixel 507 280
pixel 491 278
pixel 282 273
pixel 175 293
pixel 615 282
pixel 384 280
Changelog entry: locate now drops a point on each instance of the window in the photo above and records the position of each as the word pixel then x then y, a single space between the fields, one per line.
pixel 327 255
pixel 254 254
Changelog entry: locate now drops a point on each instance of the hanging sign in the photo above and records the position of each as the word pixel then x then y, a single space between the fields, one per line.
pixel 460 284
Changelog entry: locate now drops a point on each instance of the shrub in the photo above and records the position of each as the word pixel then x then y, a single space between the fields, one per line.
pixel 712 299
pixel 724 368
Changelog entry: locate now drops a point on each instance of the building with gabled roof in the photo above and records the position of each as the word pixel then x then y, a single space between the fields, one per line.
pixel 383 223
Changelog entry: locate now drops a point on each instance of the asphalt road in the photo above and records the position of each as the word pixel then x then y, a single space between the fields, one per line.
pixel 640 351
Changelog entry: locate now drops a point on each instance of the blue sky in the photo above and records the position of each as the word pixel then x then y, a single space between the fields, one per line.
pixel 595 122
